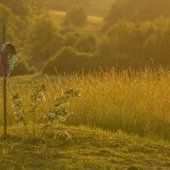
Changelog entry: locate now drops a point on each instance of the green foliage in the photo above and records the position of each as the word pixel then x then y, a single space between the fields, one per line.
pixel 44 40
pixel 75 17
pixel 25 9
pixel 19 7
pixel 86 43
pixel 26 12
pixel 9 19
pixel 137 10
pixel 68 61
pixel 136 44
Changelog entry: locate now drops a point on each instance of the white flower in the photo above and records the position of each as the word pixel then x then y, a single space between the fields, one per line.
pixel 20 124
pixel 34 104
pixel 55 121
pixel 44 117
pixel 49 123
pixel 58 117
pixel 67 104
pixel 16 118
pixel 38 101
pixel 40 94
pixel 57 109
pixel 63 118
pixel 16 108
pixel 52 115
pixel 15 113
pixel 20 112
pixel 17 101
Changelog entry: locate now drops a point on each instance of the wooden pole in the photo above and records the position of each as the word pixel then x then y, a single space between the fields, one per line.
pixel 4 86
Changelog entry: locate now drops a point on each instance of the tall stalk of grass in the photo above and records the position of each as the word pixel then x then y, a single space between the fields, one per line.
pixel 133 101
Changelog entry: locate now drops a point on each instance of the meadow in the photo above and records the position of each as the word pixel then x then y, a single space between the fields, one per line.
pixel 120 120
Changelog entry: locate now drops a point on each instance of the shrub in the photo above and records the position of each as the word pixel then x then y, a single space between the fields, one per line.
pixel 81 42
pixel 86 43
pixel 67 61
pixel 23 68
pixel 62 61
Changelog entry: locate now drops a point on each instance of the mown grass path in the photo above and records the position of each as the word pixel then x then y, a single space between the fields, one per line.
pixel 91 149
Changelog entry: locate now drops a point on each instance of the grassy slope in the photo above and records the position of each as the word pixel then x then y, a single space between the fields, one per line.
pixel 99 8
pixel 88 149
pixel 94 22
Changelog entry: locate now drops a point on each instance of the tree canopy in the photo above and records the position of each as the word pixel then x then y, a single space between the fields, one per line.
pixel 137 10
pixel 76 16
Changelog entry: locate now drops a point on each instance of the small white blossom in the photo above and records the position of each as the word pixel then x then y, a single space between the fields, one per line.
pixel 16 118
pixel 57 109
pixel 34 104
pixel 38 101
pixel 55 121
pixel 49 123
pixel 67 104
pixel 63 118
pixel 44 117
pixel 58 117
pixel 40 94
pixel 17 101
pixel 16 108
pixel 15 113
pixel 20 112
pixel 52 115
pixel 20 124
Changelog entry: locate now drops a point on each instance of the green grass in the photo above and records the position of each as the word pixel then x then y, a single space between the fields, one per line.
pixel 92 149
pixel 121 119
pixel 134 102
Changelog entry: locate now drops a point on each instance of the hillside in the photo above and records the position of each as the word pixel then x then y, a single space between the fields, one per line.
pixel 93 7
pixel 91 149
pixel 94 22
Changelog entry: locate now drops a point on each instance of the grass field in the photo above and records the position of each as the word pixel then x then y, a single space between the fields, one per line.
pixel 120 120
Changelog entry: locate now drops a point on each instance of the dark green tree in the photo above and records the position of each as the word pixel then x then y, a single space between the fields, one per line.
pixel 86 43
pixel 9 19
pixel 75 17
pixel 43 40
pixel 68 60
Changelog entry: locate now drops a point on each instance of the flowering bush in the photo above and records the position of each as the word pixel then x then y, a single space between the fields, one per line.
pixel 58 113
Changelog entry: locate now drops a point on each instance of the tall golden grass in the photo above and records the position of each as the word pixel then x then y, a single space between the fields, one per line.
pixel 133 101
